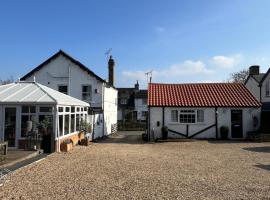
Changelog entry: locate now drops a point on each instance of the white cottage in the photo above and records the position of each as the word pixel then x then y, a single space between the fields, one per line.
pixel 63 73
pixel 259 85
pixel 200 110
pixel 24 102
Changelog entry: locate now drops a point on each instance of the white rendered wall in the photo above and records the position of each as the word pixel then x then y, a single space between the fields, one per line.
pixel 110 109
pixel 253 87
pixel 223 118
pixel 61 71
pixel 264 97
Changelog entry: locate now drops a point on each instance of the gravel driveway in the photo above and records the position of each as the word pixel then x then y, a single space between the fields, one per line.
pixel 123 167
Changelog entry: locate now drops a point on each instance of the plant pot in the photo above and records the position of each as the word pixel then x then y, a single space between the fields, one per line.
pixel 224 132
pixel 66 147
pixel 164 131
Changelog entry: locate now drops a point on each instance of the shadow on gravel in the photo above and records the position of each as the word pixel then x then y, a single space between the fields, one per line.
pixel 228 141
pixel 262 166
pixel 265 149
pixel 124 138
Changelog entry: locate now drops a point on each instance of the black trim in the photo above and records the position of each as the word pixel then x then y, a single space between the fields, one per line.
pixel 187 130
pixel 163 117
pixel 265 75
pixel 208 106
pixel 60 52
pixel 149 113
pixel 216 120
pixel 177 133
pixel 260 85
pixel 205 129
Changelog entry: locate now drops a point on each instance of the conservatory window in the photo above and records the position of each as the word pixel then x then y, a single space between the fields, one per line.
pixel 67 131
pixel 45 109
pixel 61 125
pixel 78 122
pixel 28 109
pixel 72 123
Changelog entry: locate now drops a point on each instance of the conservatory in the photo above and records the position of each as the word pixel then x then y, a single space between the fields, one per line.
pixel 31 110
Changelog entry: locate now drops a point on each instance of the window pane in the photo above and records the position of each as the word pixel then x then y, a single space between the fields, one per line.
pixel 28 109
pixel 72 123
pixel 187 116
pixel 200 116
pixel 61 125
pixel 60 109
pixel 46 124
pixel 67 109
pixel 86 92
pixel 67 124
pixel 63 89
pixel 174 116
pixel 24 120
pixel 73 109
pixel 78 122
pixel 45 109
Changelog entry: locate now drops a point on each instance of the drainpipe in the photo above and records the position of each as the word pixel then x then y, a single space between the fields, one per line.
pixel 103 93
pixel 260 85
pixel 216 115
pixel 69 73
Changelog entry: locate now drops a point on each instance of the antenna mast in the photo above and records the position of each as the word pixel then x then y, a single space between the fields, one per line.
pixel 149 76
pixel 108 52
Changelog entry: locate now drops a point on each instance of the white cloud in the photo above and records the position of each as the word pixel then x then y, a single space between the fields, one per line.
pixel 225 62
pixel 174 72
pixel 187 67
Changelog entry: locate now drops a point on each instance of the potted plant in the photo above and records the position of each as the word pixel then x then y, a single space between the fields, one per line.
pixel 87 129
pixel 46 137
pixel 224 132
pixel 67 145
pixel 164 131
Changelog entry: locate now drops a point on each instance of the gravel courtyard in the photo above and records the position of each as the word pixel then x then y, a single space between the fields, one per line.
pixel 123 167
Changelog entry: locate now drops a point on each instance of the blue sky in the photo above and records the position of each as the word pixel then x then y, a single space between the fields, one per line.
pixel 181 41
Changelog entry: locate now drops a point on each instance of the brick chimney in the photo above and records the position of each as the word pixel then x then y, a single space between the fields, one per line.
pixel 111 71
pixel 254 70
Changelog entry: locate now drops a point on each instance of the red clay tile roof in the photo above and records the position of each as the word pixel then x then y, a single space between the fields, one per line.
pixel 201 95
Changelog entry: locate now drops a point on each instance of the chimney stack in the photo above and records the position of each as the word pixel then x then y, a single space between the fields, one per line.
pixel 254 70
pixel 111 71
pixel 137 86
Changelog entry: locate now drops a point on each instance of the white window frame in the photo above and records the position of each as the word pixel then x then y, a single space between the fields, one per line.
pixel 87 93
pixel 81 112
pixel 186 111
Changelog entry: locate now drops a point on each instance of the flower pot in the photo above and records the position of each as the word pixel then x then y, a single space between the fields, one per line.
pixel 164 131
pixel 224 132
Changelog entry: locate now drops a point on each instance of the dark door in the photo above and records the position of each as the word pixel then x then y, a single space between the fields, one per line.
pixel 10 126
pixel 237 124
pixel 265 121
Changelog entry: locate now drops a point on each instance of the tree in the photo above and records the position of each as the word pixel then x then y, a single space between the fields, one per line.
pixel 6 81
pixel 239 77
